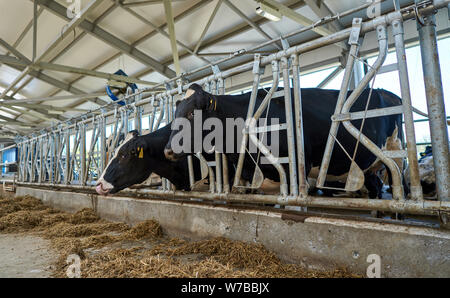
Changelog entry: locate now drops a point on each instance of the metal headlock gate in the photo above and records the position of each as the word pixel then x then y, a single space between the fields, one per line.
pixel 59 157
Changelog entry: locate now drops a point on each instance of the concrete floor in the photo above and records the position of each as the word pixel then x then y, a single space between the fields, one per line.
pixel 24 255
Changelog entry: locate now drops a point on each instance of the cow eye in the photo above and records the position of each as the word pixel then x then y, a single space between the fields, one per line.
pixel 190 115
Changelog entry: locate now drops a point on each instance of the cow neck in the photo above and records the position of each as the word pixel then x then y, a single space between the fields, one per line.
pixel 155 143
pixel 227 106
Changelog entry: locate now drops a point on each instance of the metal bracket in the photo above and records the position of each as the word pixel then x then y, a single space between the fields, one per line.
pixel 215 69
pixel 356 30
pixel 168 86
pixel 257 65
pixel 285 44
pixel 155 102
pixel 180 86
pixel 420 19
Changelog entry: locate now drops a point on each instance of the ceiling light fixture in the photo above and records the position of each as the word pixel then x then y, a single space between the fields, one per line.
pixel 269 12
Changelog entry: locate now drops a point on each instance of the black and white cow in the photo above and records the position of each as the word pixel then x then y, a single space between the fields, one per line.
pixel 426 173
pixel 318 106
pixel 139 156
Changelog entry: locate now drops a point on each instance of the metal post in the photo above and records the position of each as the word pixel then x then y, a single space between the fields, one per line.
pixel 67 161
pixel 436 107
pixel 298 120
pixel 290 128
pixel 102 127
pixel 83 155
pixel 52 157
pixel 191 171
pixel 35 17
pixel 416 188
pixel 251 108
pixel 137 119
pixel 57 157
pixel 397 187
pixel 151 118
pixel 33 158
pixel 161 114
pixel 41 159
pixel 225 177
pixel 218 158
pixel 354 43
pixel 226 184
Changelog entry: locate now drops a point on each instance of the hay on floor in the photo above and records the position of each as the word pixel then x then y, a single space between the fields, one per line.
pixel 117 250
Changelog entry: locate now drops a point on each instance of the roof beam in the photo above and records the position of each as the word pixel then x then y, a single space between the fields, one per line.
pixel 110 39
pixel 211 19
pixel 91 73
pixel 322 11
pixel 56 98
pixel 249 21
pixel 67 30
pixel 52 81
pixel 11 121
pixel 71 44
pixel 239 29
pixel 159 30
pixel 16 113
pixel 38 113
pixel 23 34
pixel 295 16
pixel 43 77
pixel 35 17
pixel 42 106
pixel 187 12
pixel 172 34
pixel 147 2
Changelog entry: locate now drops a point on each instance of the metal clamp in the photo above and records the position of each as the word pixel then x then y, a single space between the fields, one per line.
pixel 257 65
pixel 356 30
pixel 215 69
pixel 168 86
pixel 419 17
pixel 285 44
pixel 180 86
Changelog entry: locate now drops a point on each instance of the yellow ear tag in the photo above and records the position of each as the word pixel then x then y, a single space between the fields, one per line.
pixel 141 152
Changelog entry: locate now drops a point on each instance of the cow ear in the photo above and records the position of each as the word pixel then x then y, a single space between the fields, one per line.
pixel 134 133
pixel 201 97
pixel 131 135
pixel 196 88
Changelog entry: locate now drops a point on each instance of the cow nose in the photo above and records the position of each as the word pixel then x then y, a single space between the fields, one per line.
pixel 168 153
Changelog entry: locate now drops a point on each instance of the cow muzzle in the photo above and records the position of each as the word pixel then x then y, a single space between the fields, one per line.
pixel 103 188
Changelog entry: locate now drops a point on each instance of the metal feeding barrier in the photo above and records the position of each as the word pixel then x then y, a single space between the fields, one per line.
pixel 59 157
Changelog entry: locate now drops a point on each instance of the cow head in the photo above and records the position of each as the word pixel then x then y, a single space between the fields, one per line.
pixel 195 101
pixel 130 165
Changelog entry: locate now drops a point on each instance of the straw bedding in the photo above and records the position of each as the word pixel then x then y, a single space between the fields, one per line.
pixel 117 250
